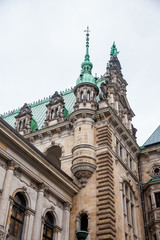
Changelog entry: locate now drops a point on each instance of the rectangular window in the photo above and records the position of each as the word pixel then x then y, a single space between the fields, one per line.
pixel 127 209
pixel 131 163
pixel 132 215
pixel 157 198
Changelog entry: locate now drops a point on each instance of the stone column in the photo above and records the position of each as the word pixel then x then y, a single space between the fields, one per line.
pixel 66 220
pixel 37 224
pixel 5 193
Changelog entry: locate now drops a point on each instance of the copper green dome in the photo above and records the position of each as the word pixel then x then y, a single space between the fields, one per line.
pixel 86 74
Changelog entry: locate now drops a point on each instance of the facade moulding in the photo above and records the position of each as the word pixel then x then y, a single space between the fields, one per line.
pixel 51 129
pixel 83 146
pixel 81 112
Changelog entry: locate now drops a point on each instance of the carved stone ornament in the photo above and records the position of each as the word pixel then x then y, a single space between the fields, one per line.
pixel 83 171
pixel 154 171
pixel 104 94
pixel 24 110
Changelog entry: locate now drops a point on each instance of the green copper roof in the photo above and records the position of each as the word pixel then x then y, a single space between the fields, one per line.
pixel 154 138
pixel 34 125
pixel 39 111
pixel 86 74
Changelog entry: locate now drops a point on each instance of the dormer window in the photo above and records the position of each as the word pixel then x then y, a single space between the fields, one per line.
pixel 88 95
pixel 82 95
pixel 52 114
pixel 20 123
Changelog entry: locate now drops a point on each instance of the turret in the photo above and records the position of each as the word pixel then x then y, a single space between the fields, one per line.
pixel 113 91
pixel 86 91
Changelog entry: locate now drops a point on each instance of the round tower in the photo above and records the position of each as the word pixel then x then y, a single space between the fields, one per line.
pixel 86 91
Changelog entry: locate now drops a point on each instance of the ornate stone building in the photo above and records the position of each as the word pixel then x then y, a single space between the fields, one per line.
pixel 78 166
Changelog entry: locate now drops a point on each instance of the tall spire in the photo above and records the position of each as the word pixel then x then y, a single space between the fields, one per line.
pixel 87 65
pixel 86 72
pixel 87 57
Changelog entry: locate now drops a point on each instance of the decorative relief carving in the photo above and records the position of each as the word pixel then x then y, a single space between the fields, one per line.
pixel 59 204
pixel 67 206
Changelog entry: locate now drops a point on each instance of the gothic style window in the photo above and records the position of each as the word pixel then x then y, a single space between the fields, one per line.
pixel 157 198
pixel 52 114
pixel 48 226
pixel 81 95
pixel 17 217
pixel 88 95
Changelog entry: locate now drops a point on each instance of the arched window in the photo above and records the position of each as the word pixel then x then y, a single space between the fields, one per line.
pixel 82 95
pixel 17 217
pixel 56 111
pixel 48 226
pixel 84 222
pixel 20 123
pixel 24 122
pixel 52 114
pixel 88 95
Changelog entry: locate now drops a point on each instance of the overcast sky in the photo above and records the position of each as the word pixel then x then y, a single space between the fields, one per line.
pixel 42 45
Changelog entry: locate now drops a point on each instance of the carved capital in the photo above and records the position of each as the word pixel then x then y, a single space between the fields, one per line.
pixel 67 206
pixel 11 165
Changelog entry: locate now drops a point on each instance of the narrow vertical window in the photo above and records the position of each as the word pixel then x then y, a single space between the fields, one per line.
pixel 24 122
pixel 17 216
pixel 56 111
pixel 121 152
pixel 20 123
pixel 48 226
pixel 84 222
pixel 88 95
pixel 82 95
pixel 52 114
